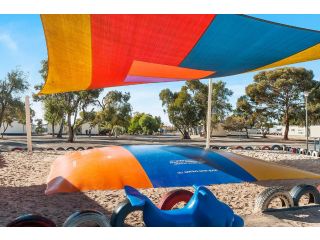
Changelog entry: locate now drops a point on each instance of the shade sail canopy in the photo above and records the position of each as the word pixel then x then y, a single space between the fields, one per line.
pixel 146 166
pixel 96 51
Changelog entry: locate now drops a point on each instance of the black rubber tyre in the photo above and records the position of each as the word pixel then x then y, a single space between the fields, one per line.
pixel 214 147
pixel 31 220
pixel 223 147
pixel 89 148
pixel 80 148
pixel 276 147
pixel 50 149
pixel 266 148
pixel 87 216
pixel 248 148
pixel 315 154
pixel 293 150
pixel 267 196
pixel 60 149
pixel 121 212
pixel 298 191
pixel 302 151
pixel 70 149
pixel 17 149
pixel 38 149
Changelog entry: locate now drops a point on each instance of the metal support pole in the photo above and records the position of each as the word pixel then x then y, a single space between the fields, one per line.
pixel 209 113
pixel 28 125
pixel 307 132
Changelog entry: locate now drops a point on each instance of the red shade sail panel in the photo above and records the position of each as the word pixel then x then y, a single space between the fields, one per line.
pixel 96 51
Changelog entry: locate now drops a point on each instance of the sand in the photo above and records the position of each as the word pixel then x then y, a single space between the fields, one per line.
pixel 23 177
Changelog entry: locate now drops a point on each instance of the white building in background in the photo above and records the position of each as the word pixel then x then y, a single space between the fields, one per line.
pixel 314 131
pixel 295 131
pixel 300 131
pixel 85 129
pixel 16 128
pixel 276 130
pixel 218 131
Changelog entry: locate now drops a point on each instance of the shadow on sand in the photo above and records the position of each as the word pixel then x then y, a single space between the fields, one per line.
pixel 16 201
pixel 2 162
pixel 308 214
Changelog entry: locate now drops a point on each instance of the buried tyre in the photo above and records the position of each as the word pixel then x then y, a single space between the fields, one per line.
pixel 305 194
pixel 119 215
pixel 171 199
pixel 31 220
pixel 266 148
pixel 276 147
pixel 273 198
pixel 87 218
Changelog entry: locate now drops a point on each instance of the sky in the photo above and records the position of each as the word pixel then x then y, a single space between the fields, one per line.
pixel 22 44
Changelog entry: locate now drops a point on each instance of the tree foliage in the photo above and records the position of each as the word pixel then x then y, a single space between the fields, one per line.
pixel 280 91
pixel 116 110
pixel 188 107
pixel 181 109
pixel 11 107
pixel 15 112
pixel 143 123
pixel 39 126
pixel 243 117
pixel 53 112
pixel 220 101
pixel 70 104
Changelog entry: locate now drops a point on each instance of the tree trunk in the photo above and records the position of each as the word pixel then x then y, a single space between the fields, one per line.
pixel 70 130
pixel 59 135
pixel 247 133
pixel 186 135
pixel 286 131
pixel 264 134
pixel 70 134
pixel 52 126
pixel 4 130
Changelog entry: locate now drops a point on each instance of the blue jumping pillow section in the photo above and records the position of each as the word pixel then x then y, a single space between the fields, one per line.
pixel 174 166
pixel 235 44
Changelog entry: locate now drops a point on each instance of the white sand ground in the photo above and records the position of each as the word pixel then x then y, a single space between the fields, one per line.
pixel 23 177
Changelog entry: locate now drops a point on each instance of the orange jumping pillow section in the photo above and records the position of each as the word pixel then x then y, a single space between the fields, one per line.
pixel 103 168
pixel 145 69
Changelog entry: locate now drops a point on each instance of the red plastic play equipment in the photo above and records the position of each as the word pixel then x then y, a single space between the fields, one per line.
pixel 31 220
pixel 172 198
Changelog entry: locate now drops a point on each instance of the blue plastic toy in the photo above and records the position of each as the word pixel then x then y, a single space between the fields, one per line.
pixel 203 210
